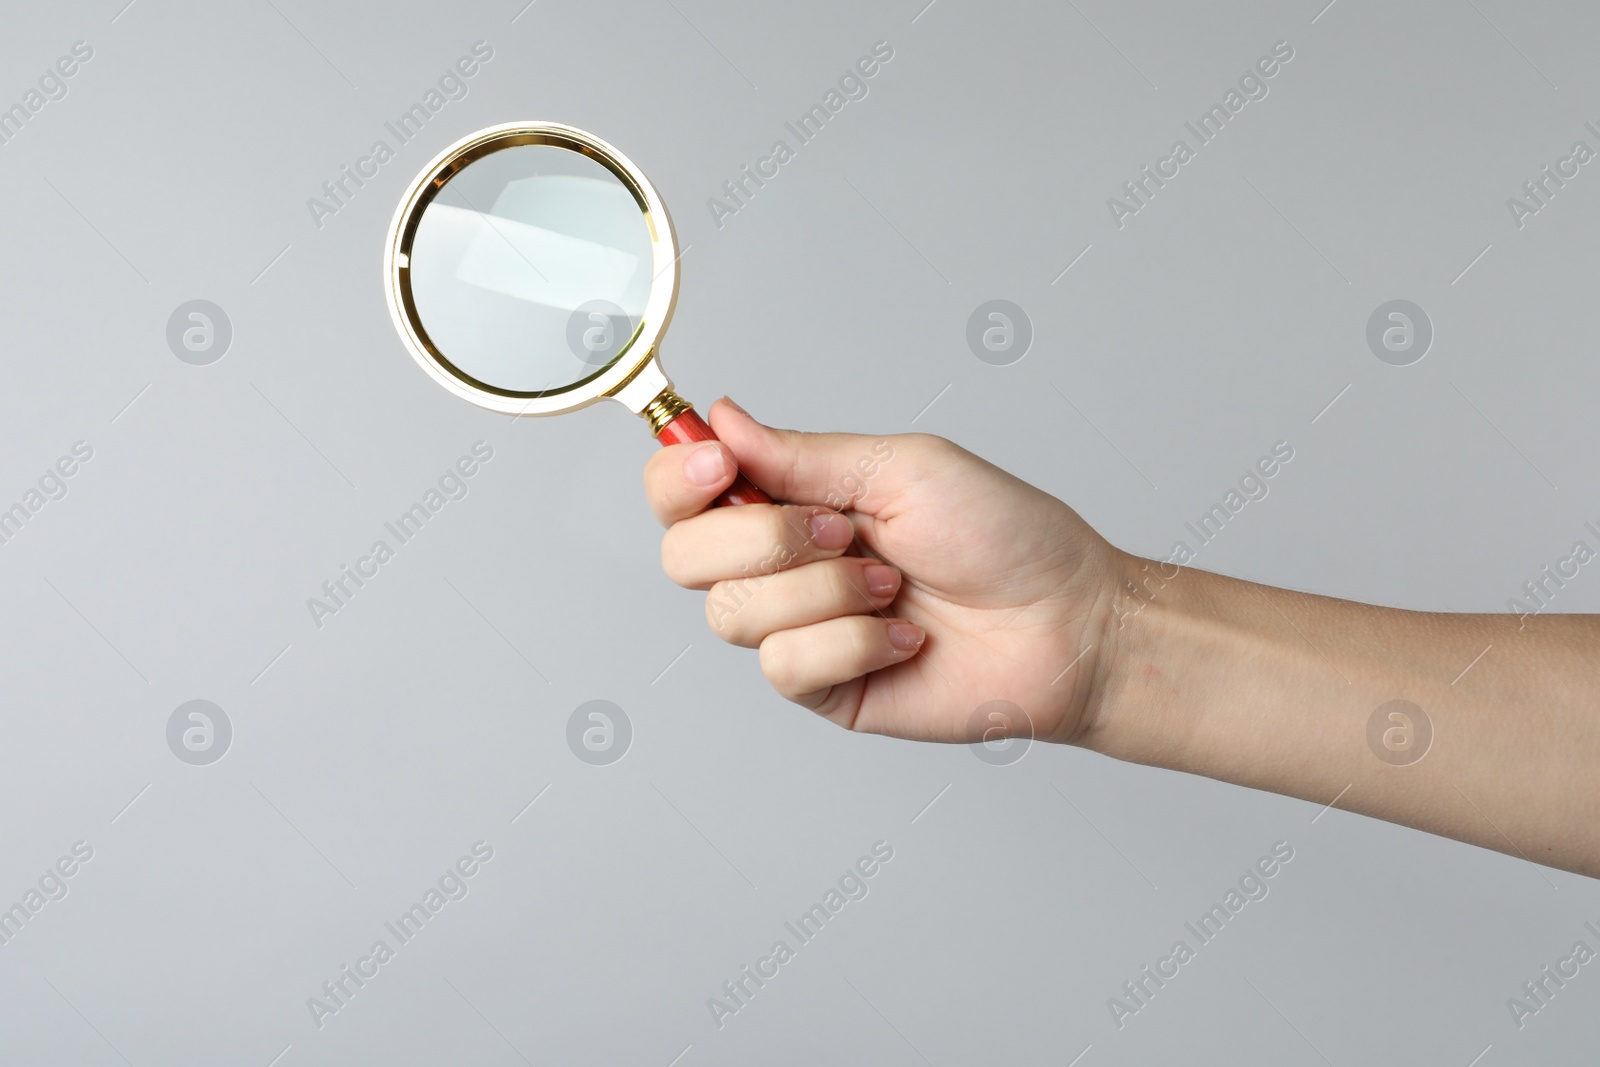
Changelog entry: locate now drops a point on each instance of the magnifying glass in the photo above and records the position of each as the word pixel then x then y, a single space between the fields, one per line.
pixel 531 268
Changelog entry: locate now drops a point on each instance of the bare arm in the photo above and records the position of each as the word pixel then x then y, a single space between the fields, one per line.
pixel 974 591
pixel 1279 690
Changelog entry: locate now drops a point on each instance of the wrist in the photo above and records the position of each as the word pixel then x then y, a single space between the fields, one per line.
pixel 1108 719
pixel 1210 675
pixel 1168 635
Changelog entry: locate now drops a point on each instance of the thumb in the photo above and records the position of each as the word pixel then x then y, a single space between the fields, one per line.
pixel 843 471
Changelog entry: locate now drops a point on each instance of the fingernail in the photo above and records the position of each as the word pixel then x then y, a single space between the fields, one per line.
pixel 728 400
pixel 830 531
pixel 706 465
pixel 905 636
pixel 881 580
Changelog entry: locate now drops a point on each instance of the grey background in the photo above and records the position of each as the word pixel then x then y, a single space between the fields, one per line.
pixel 370 754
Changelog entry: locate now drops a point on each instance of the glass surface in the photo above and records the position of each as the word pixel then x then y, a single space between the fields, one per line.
pixel 531 268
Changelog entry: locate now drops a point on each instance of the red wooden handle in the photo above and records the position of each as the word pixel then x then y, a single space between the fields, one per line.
pixel 691 427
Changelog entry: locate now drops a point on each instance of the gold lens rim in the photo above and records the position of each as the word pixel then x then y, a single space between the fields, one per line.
pixel 658 306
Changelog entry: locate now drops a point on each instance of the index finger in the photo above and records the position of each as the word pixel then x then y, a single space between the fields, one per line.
pixel 683 480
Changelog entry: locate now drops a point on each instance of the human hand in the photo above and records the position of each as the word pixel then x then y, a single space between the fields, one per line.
pixel 973 587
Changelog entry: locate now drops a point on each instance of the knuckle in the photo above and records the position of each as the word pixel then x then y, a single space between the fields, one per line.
pixel 786 538
pixel 724 614
pixel 932 446
pixel 673 560
pixel 862 642
pixel 778 664
pixel 850 588
pixel 652 468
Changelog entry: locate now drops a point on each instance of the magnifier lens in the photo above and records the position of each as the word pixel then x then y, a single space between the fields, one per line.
pixel 531 268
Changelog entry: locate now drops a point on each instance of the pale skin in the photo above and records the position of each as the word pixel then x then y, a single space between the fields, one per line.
pixel 904 583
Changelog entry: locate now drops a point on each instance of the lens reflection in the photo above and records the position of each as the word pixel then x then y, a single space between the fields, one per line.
pixel 531 268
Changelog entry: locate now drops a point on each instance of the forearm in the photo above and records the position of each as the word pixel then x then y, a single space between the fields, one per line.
pixel 1274 689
